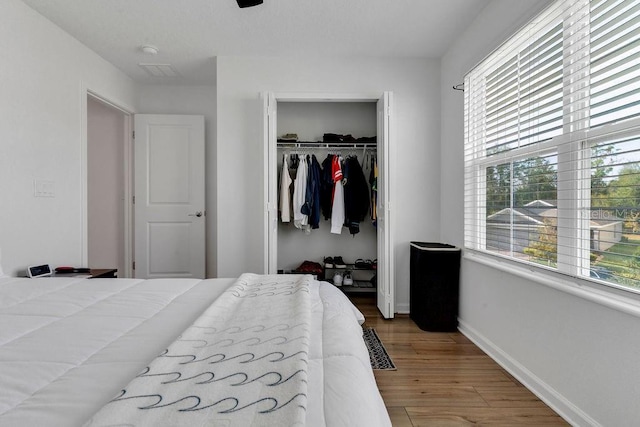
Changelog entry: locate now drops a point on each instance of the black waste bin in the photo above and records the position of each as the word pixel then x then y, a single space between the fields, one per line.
pixel 434 286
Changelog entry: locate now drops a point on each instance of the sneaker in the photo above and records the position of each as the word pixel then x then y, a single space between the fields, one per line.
pixel 337 279
pixel 364 264
pixel 338 262
pixel 347 280
pixel 328 262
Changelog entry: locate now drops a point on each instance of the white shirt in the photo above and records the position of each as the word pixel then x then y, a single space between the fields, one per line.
pixel 337 208
pixel 285 194
pixel 300 220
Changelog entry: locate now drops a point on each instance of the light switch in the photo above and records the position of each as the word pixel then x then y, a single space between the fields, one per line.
pixel 44 188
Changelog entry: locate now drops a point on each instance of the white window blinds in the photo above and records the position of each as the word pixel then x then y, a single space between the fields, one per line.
pixel 615 61
pixel 552 143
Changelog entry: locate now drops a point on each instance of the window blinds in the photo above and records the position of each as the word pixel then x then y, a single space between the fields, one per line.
pixel 615 61
pixel 552 143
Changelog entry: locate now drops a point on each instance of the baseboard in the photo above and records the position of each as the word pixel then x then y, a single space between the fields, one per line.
pixel 567 410
pixel 402 308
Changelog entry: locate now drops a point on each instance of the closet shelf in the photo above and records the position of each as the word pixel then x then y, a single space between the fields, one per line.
pixel 358 287
pixel 351 267
pixel 320 144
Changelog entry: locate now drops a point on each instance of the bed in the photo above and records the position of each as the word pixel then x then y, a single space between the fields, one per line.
pixel 256 350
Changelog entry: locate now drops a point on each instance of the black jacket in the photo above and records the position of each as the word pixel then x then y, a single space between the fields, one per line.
pixel 326 187
pixel 311 205
pixel 356 194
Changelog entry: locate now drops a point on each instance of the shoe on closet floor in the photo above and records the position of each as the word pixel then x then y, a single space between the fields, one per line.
pixel 337 279
pixel 338 262
pixel 364 264
pixel 309 267
pixel 347 280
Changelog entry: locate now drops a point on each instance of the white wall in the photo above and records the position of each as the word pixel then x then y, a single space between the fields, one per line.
pixel 197 100
pixel 578 355
pixel 415 171
pixel 43 73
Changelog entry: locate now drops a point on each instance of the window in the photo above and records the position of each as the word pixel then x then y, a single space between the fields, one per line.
pixel 521 211
pixel 552 144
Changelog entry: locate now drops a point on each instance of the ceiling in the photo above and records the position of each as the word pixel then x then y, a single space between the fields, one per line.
pixel 190 33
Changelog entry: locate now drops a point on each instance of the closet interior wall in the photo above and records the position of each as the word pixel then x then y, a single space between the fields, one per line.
pixel 310 121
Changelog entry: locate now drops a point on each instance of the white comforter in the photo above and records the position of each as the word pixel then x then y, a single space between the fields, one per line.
pixel 68 346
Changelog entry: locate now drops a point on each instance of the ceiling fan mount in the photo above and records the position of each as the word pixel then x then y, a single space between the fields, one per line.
pixel 248 3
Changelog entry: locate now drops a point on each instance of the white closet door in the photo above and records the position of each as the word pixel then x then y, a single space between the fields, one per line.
pixel 386 276
pixel 270 123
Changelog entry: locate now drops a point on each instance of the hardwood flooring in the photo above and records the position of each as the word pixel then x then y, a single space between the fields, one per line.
pixel 443 379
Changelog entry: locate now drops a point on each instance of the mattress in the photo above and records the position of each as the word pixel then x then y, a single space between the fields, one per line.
pixel 68 346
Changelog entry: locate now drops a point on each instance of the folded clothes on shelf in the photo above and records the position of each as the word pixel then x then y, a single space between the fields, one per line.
pixel 288 137
pixel 336 138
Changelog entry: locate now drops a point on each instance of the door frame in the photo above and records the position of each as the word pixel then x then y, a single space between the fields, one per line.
pixel 270 101
pixel 128 113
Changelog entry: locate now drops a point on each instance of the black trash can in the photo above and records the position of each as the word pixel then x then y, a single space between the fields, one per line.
pixel 434 286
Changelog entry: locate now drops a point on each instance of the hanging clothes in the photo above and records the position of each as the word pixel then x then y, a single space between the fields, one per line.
pixel 285 191
pixel 337 208
pixel 326 186
pixel 311 206
pixel 356 194
pixel 300 220
pixel 373 182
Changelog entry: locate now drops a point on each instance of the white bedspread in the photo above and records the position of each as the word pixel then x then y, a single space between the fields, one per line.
pixel 243 362
pixel 68 346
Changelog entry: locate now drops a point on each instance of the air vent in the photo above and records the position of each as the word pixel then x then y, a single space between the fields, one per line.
pixel 159 70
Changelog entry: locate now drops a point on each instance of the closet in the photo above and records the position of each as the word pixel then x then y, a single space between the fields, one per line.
pixel 366 118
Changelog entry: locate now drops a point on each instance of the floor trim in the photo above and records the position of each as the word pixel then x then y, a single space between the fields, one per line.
pixel 567 410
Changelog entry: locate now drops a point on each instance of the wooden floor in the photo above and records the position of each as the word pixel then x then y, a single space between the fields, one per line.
pixel 443 379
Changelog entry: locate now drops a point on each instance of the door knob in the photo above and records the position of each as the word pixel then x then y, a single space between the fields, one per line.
pixel 198 214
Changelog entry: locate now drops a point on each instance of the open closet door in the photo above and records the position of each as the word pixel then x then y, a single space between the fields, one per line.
pixel 386 282
pixel 271 183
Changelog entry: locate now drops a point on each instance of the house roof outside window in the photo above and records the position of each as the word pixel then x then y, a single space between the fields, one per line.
pixel 535 213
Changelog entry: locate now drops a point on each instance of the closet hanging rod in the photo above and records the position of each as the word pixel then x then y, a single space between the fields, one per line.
pixel 304 144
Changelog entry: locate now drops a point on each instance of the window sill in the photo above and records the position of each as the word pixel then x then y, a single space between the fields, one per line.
pixel 623 300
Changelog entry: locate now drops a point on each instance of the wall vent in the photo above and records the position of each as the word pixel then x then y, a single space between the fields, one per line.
pixel 159 70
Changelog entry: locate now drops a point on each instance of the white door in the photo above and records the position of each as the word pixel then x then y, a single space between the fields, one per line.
pixel 386 276
pixel 169 196
pixel 271 183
